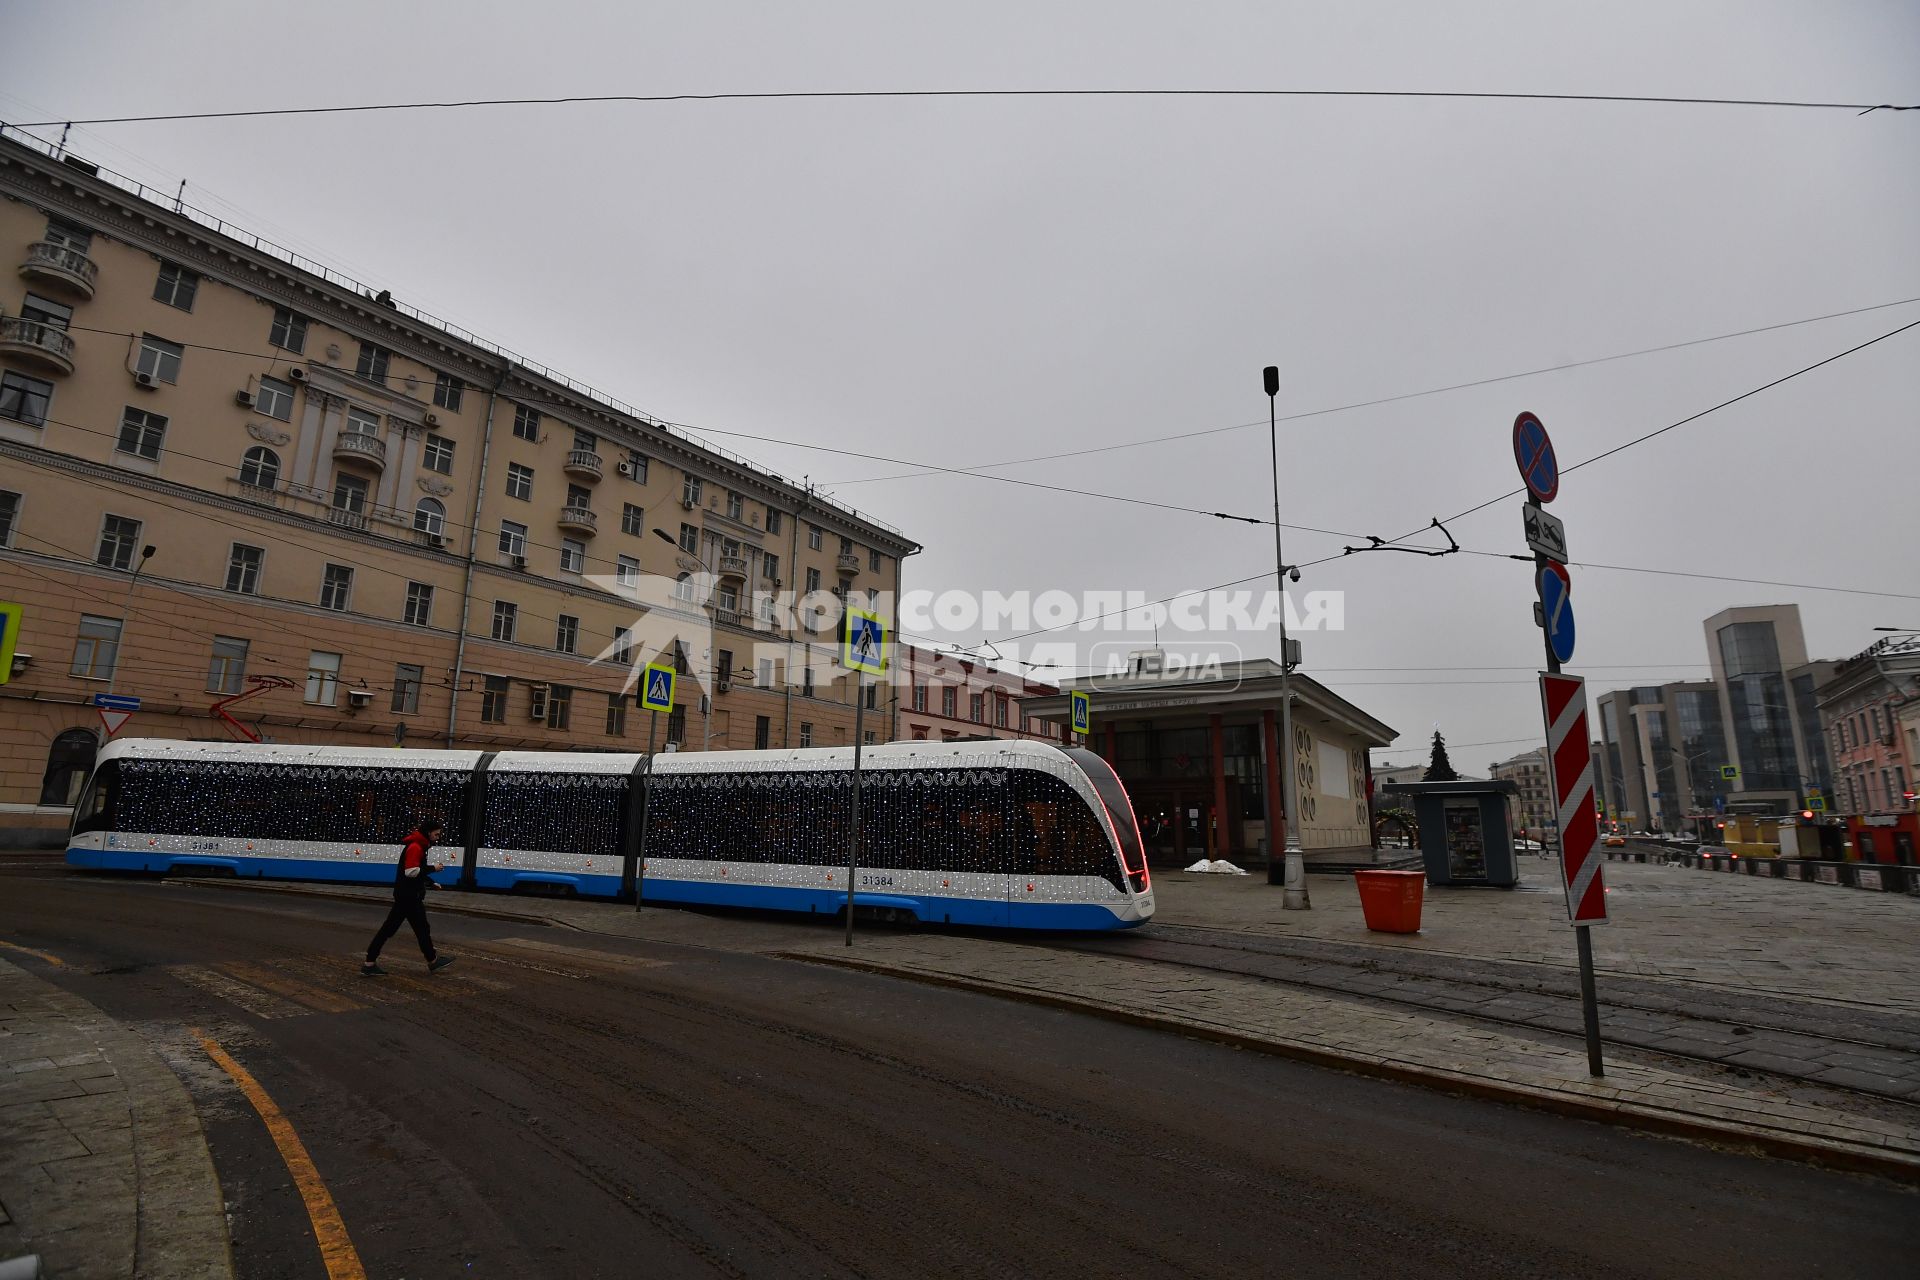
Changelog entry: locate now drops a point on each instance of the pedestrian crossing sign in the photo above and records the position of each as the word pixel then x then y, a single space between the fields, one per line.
pixel 864 645
pixel 9 637
pixel 656 692
pixel 1817 803
pixel 1082 713
pixel 1728 772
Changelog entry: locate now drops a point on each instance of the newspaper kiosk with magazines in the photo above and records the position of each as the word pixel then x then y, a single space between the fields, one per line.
pixel 1466 836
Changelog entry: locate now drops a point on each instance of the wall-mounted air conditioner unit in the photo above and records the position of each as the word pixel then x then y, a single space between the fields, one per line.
pixel 433 419
pixel 520 562
pixel 296 374
pixel 537 702
pixel 686 504
pixel 625 469
pixel 244 399
pixel 359 699
pixel 146 380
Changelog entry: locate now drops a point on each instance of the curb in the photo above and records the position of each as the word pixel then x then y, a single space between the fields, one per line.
pixel 458 909
pixel 1620 1115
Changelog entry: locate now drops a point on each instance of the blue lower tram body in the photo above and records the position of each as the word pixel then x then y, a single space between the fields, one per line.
pixel 960 911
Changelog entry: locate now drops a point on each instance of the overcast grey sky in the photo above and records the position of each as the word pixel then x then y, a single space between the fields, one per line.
pixel 966 281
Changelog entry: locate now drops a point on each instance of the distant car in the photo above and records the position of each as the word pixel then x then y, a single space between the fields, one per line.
pixel 1615 841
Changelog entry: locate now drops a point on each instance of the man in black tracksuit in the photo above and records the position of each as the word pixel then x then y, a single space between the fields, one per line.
pixel 410 901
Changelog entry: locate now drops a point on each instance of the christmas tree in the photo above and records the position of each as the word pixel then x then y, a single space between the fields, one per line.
pixel 1439 768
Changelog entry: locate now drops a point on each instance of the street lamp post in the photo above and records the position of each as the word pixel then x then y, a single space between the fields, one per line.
pixel 1295 894
pixel 126 617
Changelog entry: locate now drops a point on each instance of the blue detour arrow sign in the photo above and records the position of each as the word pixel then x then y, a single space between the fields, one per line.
pixel 1556 611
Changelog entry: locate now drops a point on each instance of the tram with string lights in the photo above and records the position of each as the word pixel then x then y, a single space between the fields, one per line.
pixel 1011 834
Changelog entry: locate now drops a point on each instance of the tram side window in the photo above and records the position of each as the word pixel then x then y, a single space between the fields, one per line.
pixel 322 803
pixel 556 813
pixel 1067 838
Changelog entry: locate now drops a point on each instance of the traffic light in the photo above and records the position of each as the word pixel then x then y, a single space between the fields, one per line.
pixel 1721 825
pixel 1806 815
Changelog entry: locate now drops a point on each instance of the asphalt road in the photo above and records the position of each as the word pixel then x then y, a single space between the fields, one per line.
pixel 615 1108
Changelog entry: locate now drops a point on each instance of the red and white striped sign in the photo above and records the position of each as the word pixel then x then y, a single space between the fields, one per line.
pixel 1563 700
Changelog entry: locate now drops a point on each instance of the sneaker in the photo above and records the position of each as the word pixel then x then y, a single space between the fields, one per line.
pixel 372 970
pixel 439 963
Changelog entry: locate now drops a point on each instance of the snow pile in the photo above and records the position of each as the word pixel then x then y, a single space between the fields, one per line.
pixel 1219 865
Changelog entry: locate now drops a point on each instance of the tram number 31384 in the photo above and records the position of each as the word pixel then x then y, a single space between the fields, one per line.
pixel 869 882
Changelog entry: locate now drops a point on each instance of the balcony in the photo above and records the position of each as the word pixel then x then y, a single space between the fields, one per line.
pixel 38 342
pixel 357 446
pixel 848 565
pixel 582 464
pixel 60 266
pixel 579 520
pixel 734 567
pixel 347 518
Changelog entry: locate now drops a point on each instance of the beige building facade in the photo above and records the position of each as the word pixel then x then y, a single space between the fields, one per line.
pixel 378 528
pixel 1532 808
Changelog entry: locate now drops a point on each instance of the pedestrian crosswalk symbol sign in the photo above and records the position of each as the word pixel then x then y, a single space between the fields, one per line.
pixel 9 637
pixel 1082 713
pixel 656 693
pixel 864 646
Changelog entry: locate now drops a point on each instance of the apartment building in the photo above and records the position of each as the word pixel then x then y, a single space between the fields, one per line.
pixel 947 697
pixel 229 474
pixel 1860 705
pixel 1532 807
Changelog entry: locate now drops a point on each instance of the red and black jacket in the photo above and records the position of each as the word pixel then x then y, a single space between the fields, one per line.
pixel 410 873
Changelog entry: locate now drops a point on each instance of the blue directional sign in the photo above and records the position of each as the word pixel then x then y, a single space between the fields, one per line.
pixel 864 646
pixel 116 702
pixel 1082 713
pixel 1719 804
pixel 656 691
pixel 1556 613
pixel 1533 452
pixel 10 615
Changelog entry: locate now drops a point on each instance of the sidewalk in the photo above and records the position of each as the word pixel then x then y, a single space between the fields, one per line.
pixel 104 1169
pixel 1832 972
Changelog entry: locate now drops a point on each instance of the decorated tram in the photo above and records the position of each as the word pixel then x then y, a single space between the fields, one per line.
pixel 1011 834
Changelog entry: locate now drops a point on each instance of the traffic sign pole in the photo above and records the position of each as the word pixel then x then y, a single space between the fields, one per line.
pixel 646 806
pixel 853 844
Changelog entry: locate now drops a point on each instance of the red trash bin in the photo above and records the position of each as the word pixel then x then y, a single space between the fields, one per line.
pixel 1390 900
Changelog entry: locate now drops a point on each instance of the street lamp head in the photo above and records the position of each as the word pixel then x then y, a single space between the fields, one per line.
pixel 665 537
pixel 1271 374
pixel 146 553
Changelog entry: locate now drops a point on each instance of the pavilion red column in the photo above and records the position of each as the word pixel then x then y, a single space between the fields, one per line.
pixel 1113 745
pixel 1217 749
pixel 1276 798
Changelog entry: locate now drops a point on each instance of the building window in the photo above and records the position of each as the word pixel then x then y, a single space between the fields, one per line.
pixel 243 569
pixel 806 681
pixel 977 708
pixel 430 518
pixel 506 619
pixel 632 520
pixel 616 715
pixel 141 433
pixel 159 359
pixel 260 467
pixel 118 538
pixel 228 665
pixel 919 697
pixel 419 608
pixel 1000 712
pixel 621 651
pixel 566 633
pixel 350 493
pixel 690 491
pixel 573 555
pixel 519 482
pixel 723 665
pixel 25 399
pixel 813 581
pixel 323 678
pixel 815 538
pixel 406 687
pixel 513 539
pixel 493 700
pixel 736 510
pixel 373 362
pixel 872 693
pixel 176 286
pixel 806 733
pixel 439 455
pixel 637 466
pixel 762 732
pixel 526 423
pixel 585 441
pixel 949 702
pixel 275 399
pixel 764 676
pixel 447 391
pixel 873 560
pixel 97 648
pixel 872 737
pixel 336 587
pixel 770 565
pixel 362 422
pixel 559 706
pixel 626 572
pixel 846 546
pixel 689 539
pixel 9 515
pixel 289 331
pixel 728 599
pixel 579 498
pixel 773 520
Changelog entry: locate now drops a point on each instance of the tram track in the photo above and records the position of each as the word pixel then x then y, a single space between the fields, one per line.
pixel 1750 1033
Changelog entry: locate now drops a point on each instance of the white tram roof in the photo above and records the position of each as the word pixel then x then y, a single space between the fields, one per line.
pixel 889 755
pixel 287 753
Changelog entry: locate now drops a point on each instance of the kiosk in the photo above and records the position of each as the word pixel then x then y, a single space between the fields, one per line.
pixel 1465 833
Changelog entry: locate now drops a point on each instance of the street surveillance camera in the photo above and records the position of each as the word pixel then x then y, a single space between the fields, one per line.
pixel 1293 573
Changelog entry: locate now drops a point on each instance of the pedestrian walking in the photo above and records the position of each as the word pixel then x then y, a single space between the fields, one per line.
pixel 410 881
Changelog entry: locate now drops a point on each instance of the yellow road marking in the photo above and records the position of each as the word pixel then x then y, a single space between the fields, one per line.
pixel 47 956
pixel 336 1248
pixel 292 988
